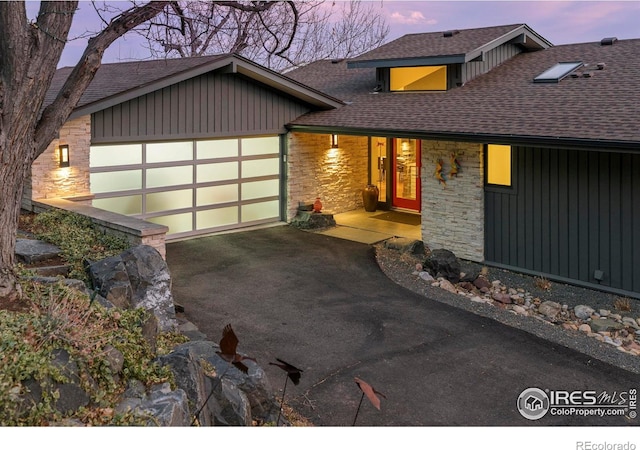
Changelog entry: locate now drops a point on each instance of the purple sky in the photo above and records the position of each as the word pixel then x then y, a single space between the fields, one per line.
pixel 559 22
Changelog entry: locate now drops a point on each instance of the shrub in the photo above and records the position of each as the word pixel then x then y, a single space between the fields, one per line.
pixel 78 239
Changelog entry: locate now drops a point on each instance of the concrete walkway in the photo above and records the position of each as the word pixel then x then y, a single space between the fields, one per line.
pixel 323 304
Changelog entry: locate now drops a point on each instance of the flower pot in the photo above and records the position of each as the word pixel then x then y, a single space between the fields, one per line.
pixel 317 205
pixel 370 197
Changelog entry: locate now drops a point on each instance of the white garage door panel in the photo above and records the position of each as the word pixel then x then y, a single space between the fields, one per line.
pixel 192 187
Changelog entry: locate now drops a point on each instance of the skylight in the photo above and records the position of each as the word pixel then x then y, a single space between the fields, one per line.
pixel 557 72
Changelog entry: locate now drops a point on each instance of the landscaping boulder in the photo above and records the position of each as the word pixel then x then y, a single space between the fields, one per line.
pixel 405 245
pixel 137 278
pixel 237 398
pixel 68 396
pixel 161 407
pixel 443 263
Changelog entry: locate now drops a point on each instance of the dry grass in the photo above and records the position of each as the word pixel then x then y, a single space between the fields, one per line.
pixel 542 283
pixel 622 304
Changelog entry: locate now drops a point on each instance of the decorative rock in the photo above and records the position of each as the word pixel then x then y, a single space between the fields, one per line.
pixel 630 322
pixel 583 312
pixel 237 397
pixel 162 407
pixel 405 245
pixel 550 309
pixel 585 328
pixel 602 324
pixel 114 359
pixel 482 283
pixel 466 285
pixel 447 286
pixel 30 251
pixel 442 262
pixel 520 310
pixel 137 278
pixel 426 276
pixel 615 316
pixel 469 272
pixel 604 312
pixel 615 342
pixel 309 220
pixel 501 297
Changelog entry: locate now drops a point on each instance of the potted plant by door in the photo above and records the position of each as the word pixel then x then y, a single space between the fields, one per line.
pixel 370 197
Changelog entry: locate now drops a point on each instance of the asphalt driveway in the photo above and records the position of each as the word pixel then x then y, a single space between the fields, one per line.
pixel 323 304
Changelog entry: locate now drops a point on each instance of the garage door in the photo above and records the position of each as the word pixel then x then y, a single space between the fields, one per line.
pixel 193 187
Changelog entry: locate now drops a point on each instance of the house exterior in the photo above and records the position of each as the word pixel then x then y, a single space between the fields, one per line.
pixel 194 145
pixel 549 167
pixel 515 152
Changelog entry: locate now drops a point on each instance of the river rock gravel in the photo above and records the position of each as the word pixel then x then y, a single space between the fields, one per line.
pixel 571 316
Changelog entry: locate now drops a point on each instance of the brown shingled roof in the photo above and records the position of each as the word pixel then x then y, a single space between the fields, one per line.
pixel 115 78
pixel 461 44
pixel 117 82
pixel 502 103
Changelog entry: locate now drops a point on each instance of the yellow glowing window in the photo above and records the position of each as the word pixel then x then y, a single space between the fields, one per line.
pixel 499 164
pixel 426 78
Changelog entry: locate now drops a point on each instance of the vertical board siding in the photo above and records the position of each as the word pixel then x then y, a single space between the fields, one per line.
pixel 205 106
pixel 491 59
pixel 569 214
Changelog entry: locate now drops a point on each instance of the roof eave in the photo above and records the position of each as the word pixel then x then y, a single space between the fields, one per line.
pixel 408 62
pixel 545 141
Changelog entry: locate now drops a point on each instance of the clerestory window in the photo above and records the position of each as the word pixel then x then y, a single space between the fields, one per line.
pixel 422 78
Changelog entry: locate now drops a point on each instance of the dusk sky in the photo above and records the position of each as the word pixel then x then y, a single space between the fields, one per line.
pixel 559 22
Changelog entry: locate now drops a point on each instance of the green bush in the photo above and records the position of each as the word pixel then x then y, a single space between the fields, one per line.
pixel 78 239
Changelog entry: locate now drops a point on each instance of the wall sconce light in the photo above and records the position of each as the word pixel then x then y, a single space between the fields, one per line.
pixel 334 141
pixel 63 153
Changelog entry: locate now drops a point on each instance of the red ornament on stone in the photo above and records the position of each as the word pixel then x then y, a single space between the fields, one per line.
pixel 317 205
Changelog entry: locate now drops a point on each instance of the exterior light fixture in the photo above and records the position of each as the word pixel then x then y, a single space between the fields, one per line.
pixel 334 141
pixel 63 153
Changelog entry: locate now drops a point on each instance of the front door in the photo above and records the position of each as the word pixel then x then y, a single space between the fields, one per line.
pixel 406 174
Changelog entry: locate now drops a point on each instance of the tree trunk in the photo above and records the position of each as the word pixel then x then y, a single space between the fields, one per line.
pixel 29 54
pixel 11 185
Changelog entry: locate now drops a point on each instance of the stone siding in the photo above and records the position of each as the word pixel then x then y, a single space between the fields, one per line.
pixel 336 175
pixel 453 215
pixel 48 180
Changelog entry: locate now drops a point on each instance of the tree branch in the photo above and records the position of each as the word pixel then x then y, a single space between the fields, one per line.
pixel 57 112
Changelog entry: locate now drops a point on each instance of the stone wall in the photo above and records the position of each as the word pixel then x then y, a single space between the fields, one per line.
pixel 135 231
pixel 336 175
pixel 453 215
pixel 48 180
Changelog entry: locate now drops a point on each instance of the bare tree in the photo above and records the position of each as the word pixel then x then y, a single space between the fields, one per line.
pixel 29 54
pixel 289 34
